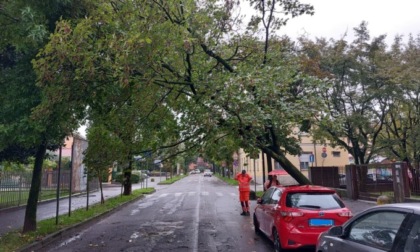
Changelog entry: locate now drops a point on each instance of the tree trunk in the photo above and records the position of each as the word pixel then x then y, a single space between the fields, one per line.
pixel 127 179
pixel 263 165
pixel 32 204
pixel 269 163
pixel 287 165
pixel 228 166
pixel 101 188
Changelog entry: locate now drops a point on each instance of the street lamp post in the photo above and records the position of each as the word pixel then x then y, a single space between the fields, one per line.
pixel 255 177
pixel 235 158
pixel 160 172
pixel 58 186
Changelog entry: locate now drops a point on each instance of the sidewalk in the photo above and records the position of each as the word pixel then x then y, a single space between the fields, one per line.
pixel 357 206
pixel 11 219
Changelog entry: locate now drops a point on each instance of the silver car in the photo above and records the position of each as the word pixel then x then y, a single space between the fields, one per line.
pixel 391 227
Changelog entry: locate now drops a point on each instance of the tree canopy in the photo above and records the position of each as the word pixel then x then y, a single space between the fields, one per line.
pixel 204 71
pixel 26 26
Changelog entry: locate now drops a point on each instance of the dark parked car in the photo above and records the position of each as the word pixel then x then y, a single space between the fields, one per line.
pixel 294 216
pixel 391 227
pixel 378 178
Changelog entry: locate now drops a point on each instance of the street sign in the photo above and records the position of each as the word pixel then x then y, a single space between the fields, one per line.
pixel 311 158
pixel 324 149
pixel 324 155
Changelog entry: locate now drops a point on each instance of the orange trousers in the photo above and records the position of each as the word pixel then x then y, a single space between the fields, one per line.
pixel 244 196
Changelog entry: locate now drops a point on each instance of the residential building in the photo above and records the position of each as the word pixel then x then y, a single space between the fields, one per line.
pixel 313 155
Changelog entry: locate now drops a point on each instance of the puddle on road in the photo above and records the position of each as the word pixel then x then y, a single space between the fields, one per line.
pixel 173 205
pixel 142 205
pixel 159 235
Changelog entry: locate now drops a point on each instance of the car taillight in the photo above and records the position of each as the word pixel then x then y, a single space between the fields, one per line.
pixel 288 216
pixel 348 214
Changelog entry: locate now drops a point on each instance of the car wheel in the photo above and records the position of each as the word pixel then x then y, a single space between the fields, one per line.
pixel 276 241
pixel 256 225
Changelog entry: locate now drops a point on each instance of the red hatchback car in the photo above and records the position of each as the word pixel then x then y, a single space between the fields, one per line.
pixel 294 216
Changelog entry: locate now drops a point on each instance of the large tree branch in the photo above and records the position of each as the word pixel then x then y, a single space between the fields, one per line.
pixel 219 59
pixel 287 165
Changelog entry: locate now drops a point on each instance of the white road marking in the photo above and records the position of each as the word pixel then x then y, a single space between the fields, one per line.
pixel 196 220
pixel 135 235
pixel 178 194
pixel 219 194
pixel 205 193
pixel 174 207
pixel 134 211
pixel 64 243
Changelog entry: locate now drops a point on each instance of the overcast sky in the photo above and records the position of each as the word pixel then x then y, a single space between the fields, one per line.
pixel 333 18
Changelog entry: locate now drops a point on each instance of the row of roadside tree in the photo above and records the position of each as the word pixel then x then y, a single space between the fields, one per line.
pixel 173 78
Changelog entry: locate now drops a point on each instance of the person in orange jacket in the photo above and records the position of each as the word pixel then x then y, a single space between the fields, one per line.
pixel 244 189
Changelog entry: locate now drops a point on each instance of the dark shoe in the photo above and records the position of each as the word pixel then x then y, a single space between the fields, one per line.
pixel 243 213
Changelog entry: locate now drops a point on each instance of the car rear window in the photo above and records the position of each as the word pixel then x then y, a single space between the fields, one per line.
pixel 312 200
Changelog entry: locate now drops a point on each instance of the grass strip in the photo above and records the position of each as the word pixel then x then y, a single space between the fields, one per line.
pixel 230 181
pixel 171 180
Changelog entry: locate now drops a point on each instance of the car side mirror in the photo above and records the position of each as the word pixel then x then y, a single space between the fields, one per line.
pixel 336 231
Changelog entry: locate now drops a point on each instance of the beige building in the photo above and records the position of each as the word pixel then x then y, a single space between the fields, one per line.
pixel 312 155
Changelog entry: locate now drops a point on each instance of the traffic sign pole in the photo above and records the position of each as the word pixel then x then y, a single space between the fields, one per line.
pixel 312 159
pixel 324 152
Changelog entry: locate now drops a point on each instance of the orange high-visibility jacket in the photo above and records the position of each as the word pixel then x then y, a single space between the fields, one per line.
pixel 243 182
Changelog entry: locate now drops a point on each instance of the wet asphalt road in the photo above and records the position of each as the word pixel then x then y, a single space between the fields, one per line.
pixel 197 214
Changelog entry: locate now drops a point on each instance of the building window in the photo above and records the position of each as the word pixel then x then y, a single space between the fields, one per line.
pixel 304 160
pixel 336 154
pixel 304 166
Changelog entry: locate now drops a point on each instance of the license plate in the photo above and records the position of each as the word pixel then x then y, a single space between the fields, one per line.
pixel 320 222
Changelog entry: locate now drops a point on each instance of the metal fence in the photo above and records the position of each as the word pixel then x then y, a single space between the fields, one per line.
pixel 374 180
pixel 330 176
pixel 413 174
pixel 370 181
pixel 15 186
